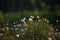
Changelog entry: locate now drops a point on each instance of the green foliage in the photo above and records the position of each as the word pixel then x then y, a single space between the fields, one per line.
pixel 2 17
pixel 14 16
pixel 52 16
pixel 32 1
pixel 42 30
pixel 36 12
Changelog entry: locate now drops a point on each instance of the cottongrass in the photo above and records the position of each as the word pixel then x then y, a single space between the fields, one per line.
pixel 17 35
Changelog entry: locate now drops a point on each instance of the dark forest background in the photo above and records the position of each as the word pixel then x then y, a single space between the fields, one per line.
pixel 18 5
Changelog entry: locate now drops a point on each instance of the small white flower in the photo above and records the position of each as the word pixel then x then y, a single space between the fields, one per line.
pixel 30 19
pixel 47 21
pixel 56 29
pixel 11 28
pixel 23 33
pixel 1 34
pixel 16 28
pixel 49 38
pixel 57 21
pixel 7 27
pixel 49 33
pixel 22 30
pixel 17 35
pixel 14 25
pixel 21 20
pixel 31 16
pixel 25 28
pixel 24 18
pixel 59 33
pixel 3 29
pixel 38 20
pixel 38 17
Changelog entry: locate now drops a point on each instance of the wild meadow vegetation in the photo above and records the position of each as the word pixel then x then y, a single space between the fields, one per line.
pixel 29 25
pixel 30 20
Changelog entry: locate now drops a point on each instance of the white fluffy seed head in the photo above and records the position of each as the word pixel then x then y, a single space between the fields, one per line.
pixel 16 28
pixel 39 20
pixel 7 28
pixel 24 18
pixel 17 35
pixel 57 21
pixel 38 17
pixel 25 28
pixel 49 38
pixel 23 33
pixel 56 29
pixel 1 34
pixel 47 21
pixel 49 33
pixel 30 19
pixel 3 29
pixel 11 28
pixel 14 23
pixel 31 16
pixel 22 30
